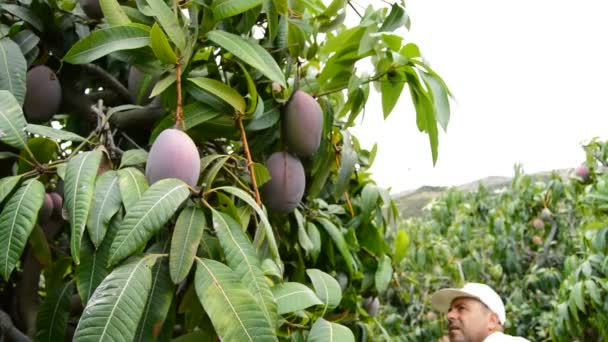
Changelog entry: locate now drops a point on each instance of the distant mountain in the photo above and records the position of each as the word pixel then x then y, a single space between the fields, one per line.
pixel 410 203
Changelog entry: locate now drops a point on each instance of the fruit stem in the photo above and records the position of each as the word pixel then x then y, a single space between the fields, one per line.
pixel 179 116
pixel 239 120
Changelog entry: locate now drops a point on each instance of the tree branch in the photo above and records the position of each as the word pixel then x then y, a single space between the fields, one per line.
pixel 108 79
pixel 179 115
pixel 139 117
pixel 9 330
pixel 249 161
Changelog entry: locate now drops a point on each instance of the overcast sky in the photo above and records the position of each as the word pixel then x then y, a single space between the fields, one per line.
pixel 529 79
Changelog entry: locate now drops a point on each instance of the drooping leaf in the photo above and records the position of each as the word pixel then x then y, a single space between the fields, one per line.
pixel 17 220
pixel 168 21
pixel 324 331
pixel 160 46
pixel 26 40
pixel 79 187
pixel 113 13
pixel 148 216
pixel 132 184
pixel 241 257
pixel 7 185
pixel 303 238
pixel 158 303
pixel 133 157
pixel 221 90
pixel 327 288
pixel 441 104
pixel 400 248
pixel 338 239
pixel 13 69
pixel 223 9
pixel 116 306
pixel 395 19
pixel 187 235
pixel 53 314
pixel 347 164
pixel 106 202
pixel 234 312
pixel 384 273
pixel 292 297
pixel 391 87
pixel 58 134
pixel 12 121
pixel 163 84
pixel 105 41
pixel 250 53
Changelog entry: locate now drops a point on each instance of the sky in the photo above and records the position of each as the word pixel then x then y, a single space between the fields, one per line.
pixel 529 85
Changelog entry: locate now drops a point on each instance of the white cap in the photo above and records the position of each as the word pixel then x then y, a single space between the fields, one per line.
pixel 442 299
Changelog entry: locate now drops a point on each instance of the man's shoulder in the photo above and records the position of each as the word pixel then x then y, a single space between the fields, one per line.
pixel 500 337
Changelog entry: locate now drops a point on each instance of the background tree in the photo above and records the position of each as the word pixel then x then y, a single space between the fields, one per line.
pixel 95 246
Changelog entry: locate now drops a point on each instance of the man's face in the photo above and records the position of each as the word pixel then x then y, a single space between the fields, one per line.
pixel 469 320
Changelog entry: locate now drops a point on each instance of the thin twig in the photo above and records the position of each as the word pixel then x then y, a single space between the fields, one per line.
pixel 354 9
pixel 239 120
pixel 179 116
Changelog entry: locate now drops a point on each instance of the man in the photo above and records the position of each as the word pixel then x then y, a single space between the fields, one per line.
pixel 475 313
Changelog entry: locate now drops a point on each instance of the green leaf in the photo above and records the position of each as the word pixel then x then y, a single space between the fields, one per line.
pixel 261 174
pixel 13 69
pixel 267 228
pixel 327 288
pixel 221 90
pixel 168 21
pixel 12 121
pixel 148 216
pixel 26 40
pixel 303 238
pixel 401 244
pixel 160 46
pixel 252 92
pixel 17 220
pixel 292 297
pixel 369 199
pixel 347 164
pixel 40 246
pixel 57 134
pixel 315 238
pixel 384 273
pixel 395 19
pixel 53 314
pixel 79 187
pixel 594 291
pixel 25 14
pixel 250 53
pixel 282 6
pixel 235 314
pixel 113 13
pixel 106 203
pixel 158 303
pixel 133 157
pixel 324 331
pixel 93 262
pixel 105 41
pixel 44 150
pixel 338 239
pixel 218 161
pixel 391 87
pixel 163 84
pixel 223 9
pixel 187 235
pixel 7 185
pixel 441 104
pixel 116 307
pixel 578 294
pixel 242 258
pixel 132 184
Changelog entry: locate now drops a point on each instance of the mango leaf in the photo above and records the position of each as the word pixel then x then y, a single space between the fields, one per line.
pixel 187 235
pixel 324 331
pixel 113 13
pixel 13 69
pixel 57 134
pixel 115 309
pixel 223 9
pixel 391 87
pixel 327 288
pixel 292 297
pixel 17 220
pixel 26 40
pixel 221 90
pixel 242 258
pixel 440 99
pixel 400 248
pixel 384 273
pixel 163 84
pixel 235 314
pixel 303 238
pixel 158 303
pixel 578 294
pixel 25 14
pixel 395 19
pixel 267 228
pixel 261 174
pixel 12 121
pixel 7 185
pixel 252 92
pixel 133 157
pixel 160 46
pixel 106 202
pixel 79 187
pixel 347 164
pixel 132 184
pixel 53 314
pixel 148 216
pixel 168 21
pixel 338 239
pixel 93 262
pixel 217 161
pixel 250 53
pixel 40 246
pixel 315 238
pixel 105 41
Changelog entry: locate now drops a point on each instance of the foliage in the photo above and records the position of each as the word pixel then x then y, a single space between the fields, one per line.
pixel 130 252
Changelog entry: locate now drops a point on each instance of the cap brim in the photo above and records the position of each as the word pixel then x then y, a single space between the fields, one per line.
pixel 442 299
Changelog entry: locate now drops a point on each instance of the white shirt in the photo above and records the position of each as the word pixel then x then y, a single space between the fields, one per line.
pixel 500 337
